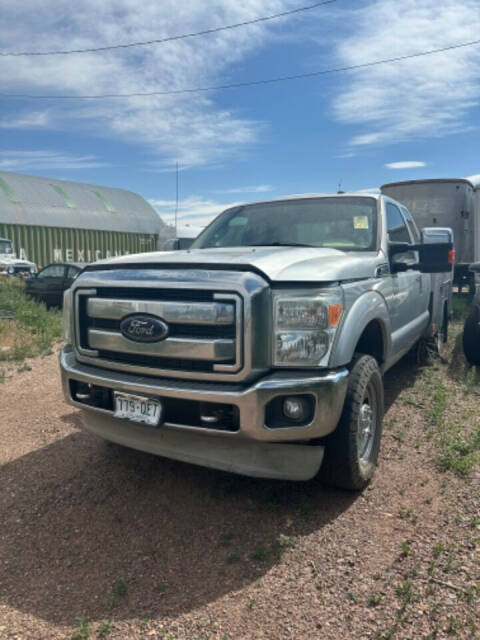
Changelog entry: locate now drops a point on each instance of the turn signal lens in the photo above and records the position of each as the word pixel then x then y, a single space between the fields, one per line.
pixel 334 314
pixel 451 256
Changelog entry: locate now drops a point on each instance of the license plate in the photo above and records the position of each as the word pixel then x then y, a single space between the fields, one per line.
pixel 138 409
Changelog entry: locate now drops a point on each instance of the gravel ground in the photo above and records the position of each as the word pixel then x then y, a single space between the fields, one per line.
pixel 99 541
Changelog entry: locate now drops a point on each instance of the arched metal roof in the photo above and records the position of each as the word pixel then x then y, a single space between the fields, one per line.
pixel 47 202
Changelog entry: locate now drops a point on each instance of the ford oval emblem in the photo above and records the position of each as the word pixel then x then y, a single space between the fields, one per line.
pixel 142 327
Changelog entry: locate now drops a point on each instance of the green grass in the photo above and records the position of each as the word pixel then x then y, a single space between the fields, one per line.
pixel 457 439
pixel 438 406
pixel 404 591
pixel 82 629
pixel 32 331
pixel 233 558
pixel 104 629
pixel 459 452
pixel 120 588
pixel 461 306
pixel 374 599
pixel 284 542
pixel 260 554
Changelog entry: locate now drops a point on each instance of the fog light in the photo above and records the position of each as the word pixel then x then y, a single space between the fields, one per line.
pixel 83 392
pixel 293 409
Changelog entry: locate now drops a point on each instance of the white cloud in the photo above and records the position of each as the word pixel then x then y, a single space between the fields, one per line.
pixel 194 210
pixel 261 188
pixel 419 98
pixel 27 120
pixel 41 160
pixel 192 128
pixel 406 164
pixel 474 179
pixel 374 190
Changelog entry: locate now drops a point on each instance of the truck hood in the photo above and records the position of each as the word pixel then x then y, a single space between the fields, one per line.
pixel 283 264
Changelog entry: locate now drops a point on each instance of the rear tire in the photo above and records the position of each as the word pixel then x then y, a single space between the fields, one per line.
pixel 351 451
pixel 471 338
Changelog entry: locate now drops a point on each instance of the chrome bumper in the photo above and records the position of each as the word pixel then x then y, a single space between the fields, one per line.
pixel 329 390
pixel 251 450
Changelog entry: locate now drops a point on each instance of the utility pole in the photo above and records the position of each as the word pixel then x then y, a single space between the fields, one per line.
pixel 176 199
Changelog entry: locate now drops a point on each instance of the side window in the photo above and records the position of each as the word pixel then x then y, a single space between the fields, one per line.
pixel 396 227
pixel 72 272
pixel 415 233
pixel 53 271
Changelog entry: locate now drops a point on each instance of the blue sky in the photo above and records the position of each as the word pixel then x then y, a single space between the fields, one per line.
pixel 413 119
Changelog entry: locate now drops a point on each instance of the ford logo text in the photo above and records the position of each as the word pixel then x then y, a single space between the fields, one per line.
pixel 144 328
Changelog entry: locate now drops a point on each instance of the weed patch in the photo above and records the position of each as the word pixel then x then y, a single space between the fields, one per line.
pixel 82 629
pixel 32 329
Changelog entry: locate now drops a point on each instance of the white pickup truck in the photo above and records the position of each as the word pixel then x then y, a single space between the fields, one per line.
pixel 11 265
pixel 261 349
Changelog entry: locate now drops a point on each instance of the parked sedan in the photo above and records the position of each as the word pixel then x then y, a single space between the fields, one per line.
pixel 48 285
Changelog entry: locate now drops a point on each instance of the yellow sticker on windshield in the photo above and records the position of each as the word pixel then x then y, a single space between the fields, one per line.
pixel 360 222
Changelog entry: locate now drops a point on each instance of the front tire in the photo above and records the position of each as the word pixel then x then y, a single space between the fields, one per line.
pixel 351 451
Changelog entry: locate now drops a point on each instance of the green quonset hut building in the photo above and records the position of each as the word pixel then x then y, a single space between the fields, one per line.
pixel 52 220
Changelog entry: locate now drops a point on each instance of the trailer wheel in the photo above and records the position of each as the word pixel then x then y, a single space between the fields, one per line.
pixel 351 451
pixel 471 338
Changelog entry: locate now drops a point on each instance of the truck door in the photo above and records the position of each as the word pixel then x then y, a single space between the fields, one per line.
pixel 425 278
pixel 410 314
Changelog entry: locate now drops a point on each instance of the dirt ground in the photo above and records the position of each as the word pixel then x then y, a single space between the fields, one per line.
pixel 99 541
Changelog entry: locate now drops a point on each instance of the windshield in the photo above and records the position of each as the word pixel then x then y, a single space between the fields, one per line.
pixel 6 246
pixel 347 224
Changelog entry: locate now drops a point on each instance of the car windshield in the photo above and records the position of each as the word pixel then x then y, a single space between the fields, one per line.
pixel 347 224
pixel 6 246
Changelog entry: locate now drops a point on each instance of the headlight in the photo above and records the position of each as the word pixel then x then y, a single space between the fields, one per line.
pixel 11 269
pixel 33 269
pixel 304 326
pixel 67 316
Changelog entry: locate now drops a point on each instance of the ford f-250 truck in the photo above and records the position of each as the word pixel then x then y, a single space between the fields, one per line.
pixel 261 349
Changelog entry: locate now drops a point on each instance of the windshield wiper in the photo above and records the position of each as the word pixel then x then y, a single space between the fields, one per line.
pixel 281 244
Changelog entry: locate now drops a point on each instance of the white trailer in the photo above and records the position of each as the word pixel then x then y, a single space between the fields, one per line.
pixel 445 203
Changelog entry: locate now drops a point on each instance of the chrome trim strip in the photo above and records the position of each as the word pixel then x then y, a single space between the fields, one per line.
pixel 202 313
pixel 91 353
pixel 216 350
pixel 238 333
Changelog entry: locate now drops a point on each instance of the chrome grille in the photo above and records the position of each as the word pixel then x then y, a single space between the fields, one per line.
pixel 205 330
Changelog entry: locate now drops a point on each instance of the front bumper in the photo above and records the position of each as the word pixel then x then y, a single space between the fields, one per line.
pixel 254 449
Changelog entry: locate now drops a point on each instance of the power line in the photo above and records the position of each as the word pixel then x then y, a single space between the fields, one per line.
pixel 144 43
pixel 237 85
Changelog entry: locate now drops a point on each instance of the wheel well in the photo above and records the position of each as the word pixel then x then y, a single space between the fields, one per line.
pixel 372 342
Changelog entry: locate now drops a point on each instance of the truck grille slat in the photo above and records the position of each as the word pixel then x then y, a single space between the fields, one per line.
pixel 184 330
pixel 196 349
pixel 177 312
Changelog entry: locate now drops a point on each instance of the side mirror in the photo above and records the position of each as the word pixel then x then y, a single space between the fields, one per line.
pixel 437 253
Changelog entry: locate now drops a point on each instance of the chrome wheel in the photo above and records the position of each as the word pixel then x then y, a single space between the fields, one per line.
pixel 367 423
